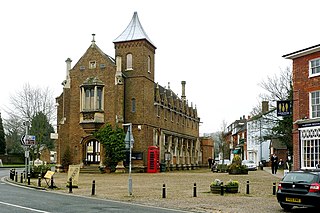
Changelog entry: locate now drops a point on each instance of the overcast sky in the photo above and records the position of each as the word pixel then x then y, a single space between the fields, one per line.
pixel 222 49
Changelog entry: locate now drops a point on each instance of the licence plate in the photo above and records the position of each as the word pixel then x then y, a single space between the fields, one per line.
pixel 293 200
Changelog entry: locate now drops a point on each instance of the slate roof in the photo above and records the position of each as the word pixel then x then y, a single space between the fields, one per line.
pixel 134 31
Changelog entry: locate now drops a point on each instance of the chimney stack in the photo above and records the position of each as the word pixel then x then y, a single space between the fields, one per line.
pixel 265 106
pixel 183 96
pixel 67 81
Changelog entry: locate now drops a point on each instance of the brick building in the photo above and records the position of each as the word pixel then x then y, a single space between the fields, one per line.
pixel 100 89
pixel 306 107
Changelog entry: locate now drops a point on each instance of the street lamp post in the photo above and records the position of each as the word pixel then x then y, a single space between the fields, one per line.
pixel 129 144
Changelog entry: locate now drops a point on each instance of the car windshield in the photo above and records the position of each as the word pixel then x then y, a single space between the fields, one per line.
pixel 300 177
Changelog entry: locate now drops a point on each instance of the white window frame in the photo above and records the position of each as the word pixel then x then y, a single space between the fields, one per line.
pixel 316 105
pixel 310 147
pixel 316 67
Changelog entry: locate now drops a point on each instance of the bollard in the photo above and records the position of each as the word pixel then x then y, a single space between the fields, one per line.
pixel 51 183
pixel 222 189
pixel 194 190
pixel 21 178
pixel 28 178
pixel 247 187
pixel 16 177
pixel 274 188
pixel 70 185
pixel 39 180
pixel 11 174
pixel 93 187
pixel 164 191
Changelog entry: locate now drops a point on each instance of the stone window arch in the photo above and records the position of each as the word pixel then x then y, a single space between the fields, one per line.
pixel 129 61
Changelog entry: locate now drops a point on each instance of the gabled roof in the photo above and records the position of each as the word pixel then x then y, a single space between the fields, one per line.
pixel 134 31
pixel 302 52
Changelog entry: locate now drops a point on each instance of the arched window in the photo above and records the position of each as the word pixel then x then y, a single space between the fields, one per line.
pixel 149 64
pixel 129 61
pixel 133 105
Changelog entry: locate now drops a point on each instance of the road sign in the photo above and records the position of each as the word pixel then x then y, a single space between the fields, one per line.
pixel 129 140
pixel 28 140
pixel 22 139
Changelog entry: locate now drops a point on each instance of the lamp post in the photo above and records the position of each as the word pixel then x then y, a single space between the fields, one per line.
pixel 129 144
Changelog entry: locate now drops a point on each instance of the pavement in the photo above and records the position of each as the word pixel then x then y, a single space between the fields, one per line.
pixel 179 188
pixel 279 174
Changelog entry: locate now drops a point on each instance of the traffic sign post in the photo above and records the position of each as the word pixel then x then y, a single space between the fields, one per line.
pixel 27 141
pixel 129 140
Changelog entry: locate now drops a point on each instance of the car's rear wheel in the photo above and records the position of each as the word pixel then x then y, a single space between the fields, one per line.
pixel 285 206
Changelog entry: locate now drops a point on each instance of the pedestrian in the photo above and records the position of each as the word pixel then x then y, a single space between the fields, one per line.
pixel 281 164
pixel 274 163
pixel 210 162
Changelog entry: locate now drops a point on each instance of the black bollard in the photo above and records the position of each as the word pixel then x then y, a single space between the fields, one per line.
pixel 39 180
pixel 51 183
pixel 274 188
pixel 11 175
pixel 16 177
pixel 93 187
pixel 21 178
pixel 247 187
pixel 222 189
pixel 70 185
pixel 164 191
pixel 28 178
pixel 194 190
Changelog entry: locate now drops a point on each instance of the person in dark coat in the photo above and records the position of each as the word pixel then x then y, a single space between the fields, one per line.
pixel 210 162
pixel 274 163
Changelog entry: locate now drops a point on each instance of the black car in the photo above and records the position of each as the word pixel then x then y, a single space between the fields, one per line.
pixel 299 188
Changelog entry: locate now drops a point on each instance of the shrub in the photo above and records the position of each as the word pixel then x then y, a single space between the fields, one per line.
pixel 237 160
pixel 216 182
pixel 41 169
pixel 232 183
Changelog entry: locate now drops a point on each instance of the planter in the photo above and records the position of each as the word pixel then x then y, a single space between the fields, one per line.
pixel 232 189
pixel 238 172
pixel 215 189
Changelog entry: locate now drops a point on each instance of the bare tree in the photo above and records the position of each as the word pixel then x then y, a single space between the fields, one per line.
pixel 30 101
pixel 25 105
pixel 277 87
pixel 222 141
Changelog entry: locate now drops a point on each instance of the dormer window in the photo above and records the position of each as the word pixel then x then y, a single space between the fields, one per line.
pixel 92 64
pixel 129 62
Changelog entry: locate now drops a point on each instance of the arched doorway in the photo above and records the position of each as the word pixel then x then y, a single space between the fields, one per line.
pixel 92 152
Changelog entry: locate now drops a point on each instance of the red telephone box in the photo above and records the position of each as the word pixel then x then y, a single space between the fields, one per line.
pixel 153 159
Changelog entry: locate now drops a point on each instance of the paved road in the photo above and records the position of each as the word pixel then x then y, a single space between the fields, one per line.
pixel 21 199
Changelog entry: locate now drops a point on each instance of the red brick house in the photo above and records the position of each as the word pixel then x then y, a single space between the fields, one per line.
pixel 118 90
pixel 306 107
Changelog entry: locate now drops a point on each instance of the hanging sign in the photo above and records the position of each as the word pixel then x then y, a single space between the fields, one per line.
pixel 283 108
